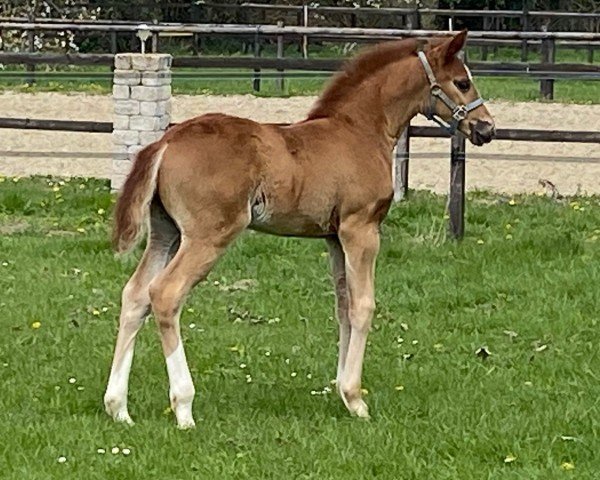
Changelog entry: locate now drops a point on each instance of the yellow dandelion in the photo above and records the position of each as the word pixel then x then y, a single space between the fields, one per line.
pixel 399 388
pixel 509 458
pixel 509 236
pixel 567 466
pixel 96 312
pixel 508 226
pixel 81 230
pixel 36 325
pixel 364 391
pixel 480 242
pixel 167 411
pixel 512 202
pixel 101 211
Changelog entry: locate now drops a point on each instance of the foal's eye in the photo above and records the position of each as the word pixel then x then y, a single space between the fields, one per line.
pixel 463 85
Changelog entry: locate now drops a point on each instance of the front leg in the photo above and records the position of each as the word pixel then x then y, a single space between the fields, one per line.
pixel 361 245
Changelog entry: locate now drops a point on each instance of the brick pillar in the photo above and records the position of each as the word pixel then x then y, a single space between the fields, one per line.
pixel 142 107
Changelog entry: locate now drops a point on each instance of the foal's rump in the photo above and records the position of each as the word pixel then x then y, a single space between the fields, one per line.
pixel 212 160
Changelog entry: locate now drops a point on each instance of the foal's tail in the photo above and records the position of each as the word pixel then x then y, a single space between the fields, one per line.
pixel 133 205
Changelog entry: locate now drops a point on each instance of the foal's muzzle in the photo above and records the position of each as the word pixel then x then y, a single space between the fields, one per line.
pixel 482 132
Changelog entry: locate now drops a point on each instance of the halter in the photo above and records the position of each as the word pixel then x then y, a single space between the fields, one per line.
pixel 459 112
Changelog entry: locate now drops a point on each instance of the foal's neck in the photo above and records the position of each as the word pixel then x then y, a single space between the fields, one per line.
pixel 383 105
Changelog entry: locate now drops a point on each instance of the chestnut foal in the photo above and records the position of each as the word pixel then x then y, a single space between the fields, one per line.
pixel 328 176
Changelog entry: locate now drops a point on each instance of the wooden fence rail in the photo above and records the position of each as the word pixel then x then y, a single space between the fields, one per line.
pixel 456 201
pixel 559 70
pixel 370 11
pixel 237 29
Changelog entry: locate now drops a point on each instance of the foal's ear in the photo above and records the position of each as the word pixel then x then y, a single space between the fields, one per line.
pixel 454 46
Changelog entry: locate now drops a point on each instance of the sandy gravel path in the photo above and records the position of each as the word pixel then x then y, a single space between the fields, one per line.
pixel 569 166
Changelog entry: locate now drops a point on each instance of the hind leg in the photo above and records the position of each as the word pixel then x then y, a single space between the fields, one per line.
pixel 338 271
pixel 163 238
pixel 192 263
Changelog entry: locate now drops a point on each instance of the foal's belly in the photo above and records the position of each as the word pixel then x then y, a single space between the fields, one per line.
pixel 292 225
pixel 270 217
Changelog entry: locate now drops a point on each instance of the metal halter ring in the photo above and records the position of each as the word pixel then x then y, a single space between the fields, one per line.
pixel 460 113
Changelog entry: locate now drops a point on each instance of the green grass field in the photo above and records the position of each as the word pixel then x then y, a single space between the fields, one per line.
pixel 522 284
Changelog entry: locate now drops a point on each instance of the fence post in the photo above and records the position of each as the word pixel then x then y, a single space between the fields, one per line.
pixel 113 42
pixel 256 79
pixel 548 56
pixel 142 107
pixel 456 202
pixel 590 56
pixel 304 37
pixel 525 28
pixel 280 79
pixel 155 38
pixel 484 48
pixel 30 48
pixel 413 19
pixel 400 165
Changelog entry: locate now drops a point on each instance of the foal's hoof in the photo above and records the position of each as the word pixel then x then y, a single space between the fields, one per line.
pixel 123 417
pixel 356 406
pixel 117 410
pixel 359 409
pixel 183 413
pixel 186 424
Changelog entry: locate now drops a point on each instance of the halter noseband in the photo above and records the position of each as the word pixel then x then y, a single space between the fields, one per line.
pixel 459 112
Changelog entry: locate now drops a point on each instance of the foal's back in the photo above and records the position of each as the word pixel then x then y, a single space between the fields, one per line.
pixel 286 180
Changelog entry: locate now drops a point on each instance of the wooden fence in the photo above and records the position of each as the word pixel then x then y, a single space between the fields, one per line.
pixel 456 203
pixel 403 17
pixel 546 71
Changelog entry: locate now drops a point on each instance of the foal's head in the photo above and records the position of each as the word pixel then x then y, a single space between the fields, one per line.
pixel 454 85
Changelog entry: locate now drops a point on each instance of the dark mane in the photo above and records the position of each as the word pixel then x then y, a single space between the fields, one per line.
pixel 358 69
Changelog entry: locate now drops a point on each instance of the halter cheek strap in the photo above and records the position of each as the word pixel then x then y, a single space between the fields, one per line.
pixel 459 112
